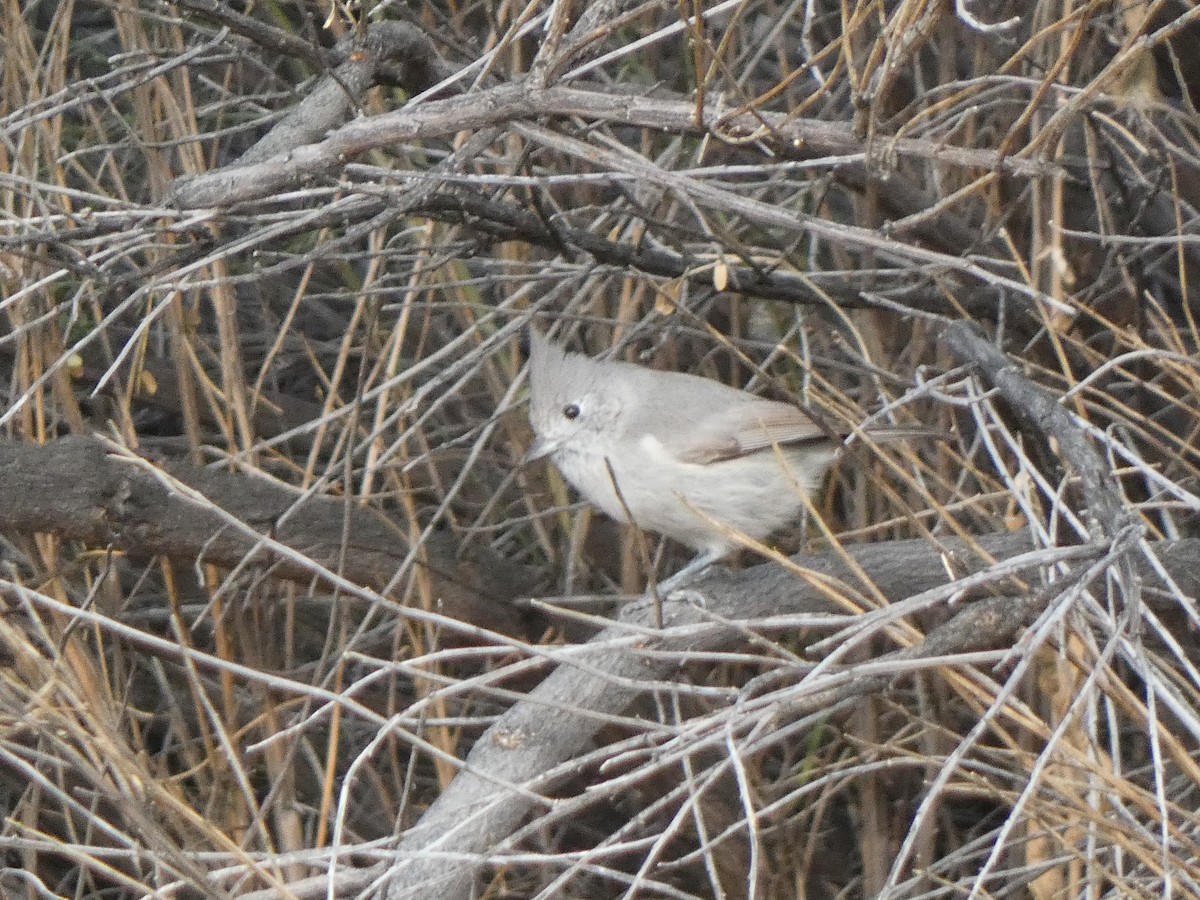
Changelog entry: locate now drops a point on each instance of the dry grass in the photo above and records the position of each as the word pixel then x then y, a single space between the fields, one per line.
pixel 172 727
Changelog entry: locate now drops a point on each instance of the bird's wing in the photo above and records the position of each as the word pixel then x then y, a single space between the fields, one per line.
pixel 734 429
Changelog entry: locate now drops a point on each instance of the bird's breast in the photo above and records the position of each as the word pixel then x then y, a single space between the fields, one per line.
pixel 588 471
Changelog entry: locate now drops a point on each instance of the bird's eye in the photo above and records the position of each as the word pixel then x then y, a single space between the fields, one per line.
pixel 571 411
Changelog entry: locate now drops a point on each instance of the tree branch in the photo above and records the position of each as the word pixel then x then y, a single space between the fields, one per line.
pixel 75 489
pixel 493 793
pixel 512 102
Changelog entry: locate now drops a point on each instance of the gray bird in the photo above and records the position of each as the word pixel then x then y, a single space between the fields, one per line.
pixel 677 454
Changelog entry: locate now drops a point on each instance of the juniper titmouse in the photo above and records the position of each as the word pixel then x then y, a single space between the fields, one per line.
pixel 685 456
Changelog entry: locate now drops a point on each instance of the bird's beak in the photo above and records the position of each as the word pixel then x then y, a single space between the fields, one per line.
pixel 541 447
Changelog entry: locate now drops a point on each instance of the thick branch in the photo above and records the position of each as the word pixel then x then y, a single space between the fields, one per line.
pixel 493 793
pixel 75 489
pixel 1107 513
pixel 512 102
pixel 338 93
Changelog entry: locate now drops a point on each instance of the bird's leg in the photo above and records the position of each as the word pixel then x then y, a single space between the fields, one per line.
pixel 689 572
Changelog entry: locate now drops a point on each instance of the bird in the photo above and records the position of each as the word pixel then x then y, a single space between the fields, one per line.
pixel 681 455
